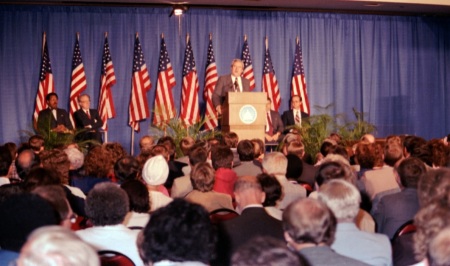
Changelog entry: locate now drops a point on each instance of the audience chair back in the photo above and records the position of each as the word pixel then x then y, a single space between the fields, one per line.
pixel 114 258
pixel 406 228
pixel 223 214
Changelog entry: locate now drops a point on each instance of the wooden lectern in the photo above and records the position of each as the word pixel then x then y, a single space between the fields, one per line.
pixel 244 114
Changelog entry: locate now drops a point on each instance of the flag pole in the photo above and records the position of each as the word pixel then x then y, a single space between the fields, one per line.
pixel 132 129
pixel 245 37
pixel 44 39
pixel 267 43
pixel 297 40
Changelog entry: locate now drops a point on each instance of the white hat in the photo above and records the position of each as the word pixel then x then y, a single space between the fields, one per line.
pixel 155 171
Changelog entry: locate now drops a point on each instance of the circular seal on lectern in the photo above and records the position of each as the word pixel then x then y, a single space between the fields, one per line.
pixel 248 114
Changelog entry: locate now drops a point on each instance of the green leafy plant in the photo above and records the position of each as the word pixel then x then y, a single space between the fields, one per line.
pixel 316 128
pixel 176 129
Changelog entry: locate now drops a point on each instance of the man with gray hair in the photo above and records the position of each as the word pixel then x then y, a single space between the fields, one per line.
pixel 275 163
pixel 343 198
pixel 57 246
pixel 309 229
pixel 106 206
pixel 253 221
pixel 231 82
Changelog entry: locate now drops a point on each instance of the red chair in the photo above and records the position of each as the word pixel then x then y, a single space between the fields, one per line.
pixel 221 215
pixel 308 188
pixel 406 228
pixel 114 258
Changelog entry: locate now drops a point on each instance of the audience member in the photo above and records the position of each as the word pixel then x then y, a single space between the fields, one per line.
pixel 274 192
pixel 139 198
pixel 106 206
pixel 186 145
pixel 20 215
pixel 56 196
pixel 183 185
pixel 178 234
pixel 5 163
pixel 231 139
pixel 97 167
pixel 265 251
pixel 308 173
pixel 175 167
pixel 343 199
pixel 146 143
pixel 275 163
pixel 222 162
pixel 253 221
pixel 202 179
pixel 309 229
pixel 56 246
pixel 155 173
pixel 396 209
pixel 439 249
pixel 246 153
pixel 36 143
pixel 126 168
pixel 25 161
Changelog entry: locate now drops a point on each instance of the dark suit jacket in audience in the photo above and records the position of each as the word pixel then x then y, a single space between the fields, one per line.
pixel 254 221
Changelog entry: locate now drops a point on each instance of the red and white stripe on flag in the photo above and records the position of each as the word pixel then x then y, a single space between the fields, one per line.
pixel 211 77
pixel 78 83
pixel 164 105
pixel 248 67
pixel 298 86
pixel 106 107
pixel 190 113
pixel 141 84
pixel 46 82
pixel 270 83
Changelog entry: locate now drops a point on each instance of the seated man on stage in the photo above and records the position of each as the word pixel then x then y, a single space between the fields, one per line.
pixel 274 125
pixel 88 119
pixel 53 119
pixel 294 116
pixel 231 82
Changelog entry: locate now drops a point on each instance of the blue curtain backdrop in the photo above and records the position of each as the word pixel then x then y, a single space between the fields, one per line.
pixel 394 68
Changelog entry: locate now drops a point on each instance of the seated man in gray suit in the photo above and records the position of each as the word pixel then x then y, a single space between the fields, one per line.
pixel 309 227
pixel 231 82
pixel 274 125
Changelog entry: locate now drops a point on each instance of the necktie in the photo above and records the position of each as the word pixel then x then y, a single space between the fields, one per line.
pixel 269 128
pixel 87 113
pixel 297 117
pixel 236 85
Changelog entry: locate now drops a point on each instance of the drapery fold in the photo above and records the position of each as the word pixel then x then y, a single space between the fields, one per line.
pixel 394 68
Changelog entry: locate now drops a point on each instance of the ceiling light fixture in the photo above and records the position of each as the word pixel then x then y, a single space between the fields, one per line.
pixel 178 10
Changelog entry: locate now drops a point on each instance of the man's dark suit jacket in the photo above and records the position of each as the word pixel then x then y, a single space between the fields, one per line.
pixel 46 121
pixel 95 121
pixel 289 119
pixel 308 174
pixel 396 209
pixel 254 221
pixel 82 120
pixel 225 84
pixel 276 122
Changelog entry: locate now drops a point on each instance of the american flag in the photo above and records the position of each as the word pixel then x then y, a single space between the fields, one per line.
pixel 270 83
pixel 46 83
pixel 108 79
pixel 298 86
pixel 78 83
pixel 141 84
pixel 248 68
pixel 210 83
pixel 190 113
pixel 164 106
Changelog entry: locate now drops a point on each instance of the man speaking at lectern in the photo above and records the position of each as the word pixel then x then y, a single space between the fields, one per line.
pixel 233 82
